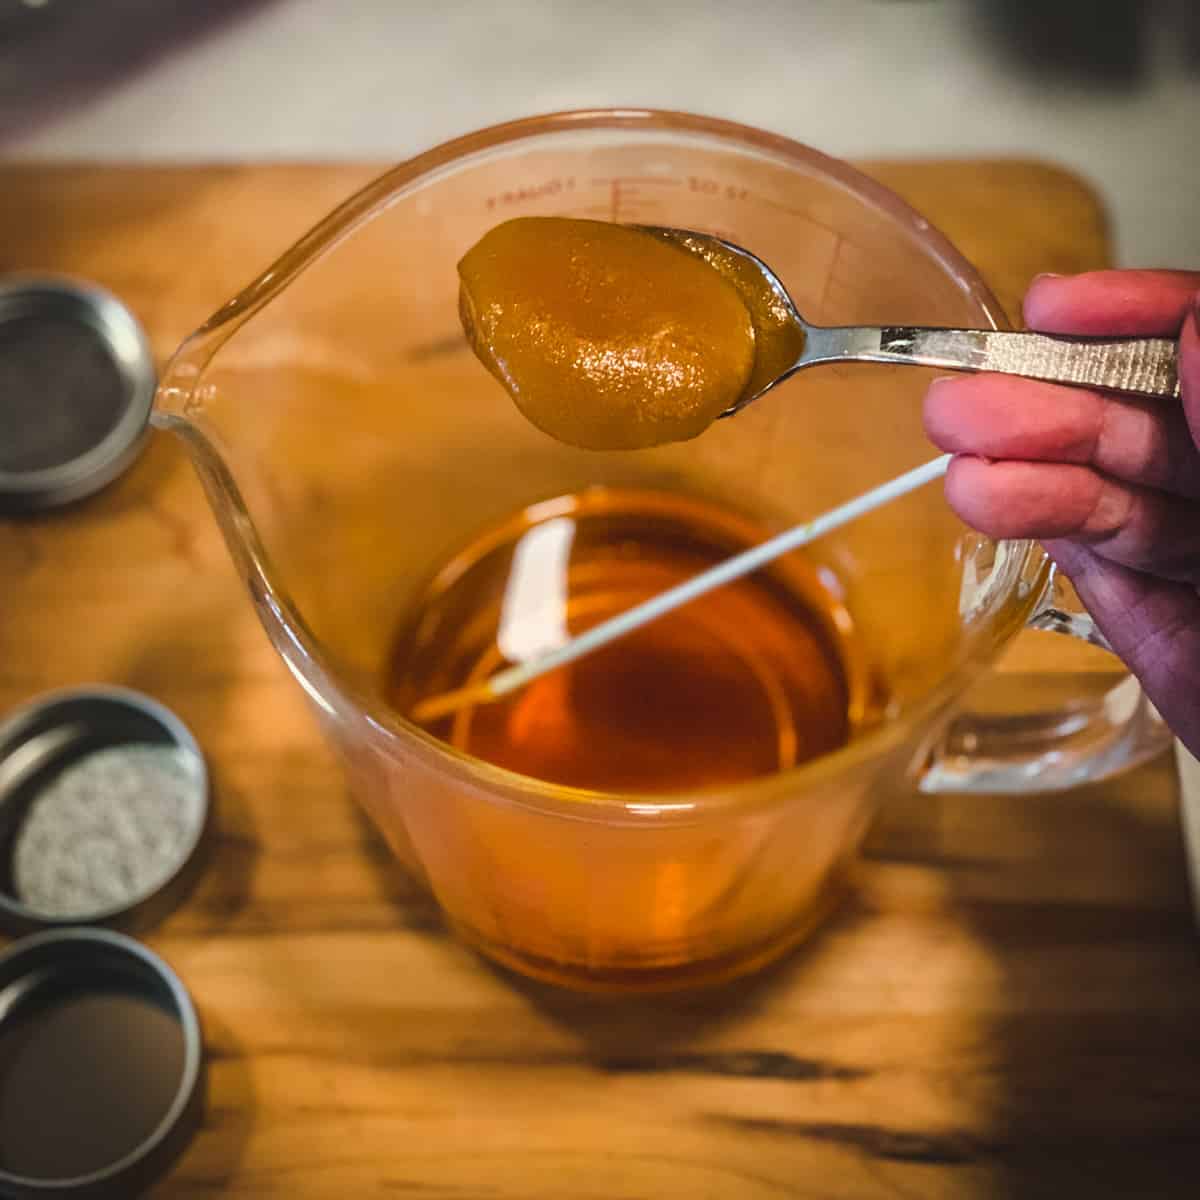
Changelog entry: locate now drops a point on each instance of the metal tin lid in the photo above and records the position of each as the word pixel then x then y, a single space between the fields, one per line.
pixel 104 807
pixel 101 1066
pixel 77 382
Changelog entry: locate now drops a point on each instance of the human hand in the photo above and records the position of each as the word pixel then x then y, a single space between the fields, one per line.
pixel 1110 485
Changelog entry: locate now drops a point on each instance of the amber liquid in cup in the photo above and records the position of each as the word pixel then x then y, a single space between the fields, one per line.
pixel 750 679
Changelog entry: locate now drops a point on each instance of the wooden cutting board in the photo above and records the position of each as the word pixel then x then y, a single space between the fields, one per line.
pixel 1009 1006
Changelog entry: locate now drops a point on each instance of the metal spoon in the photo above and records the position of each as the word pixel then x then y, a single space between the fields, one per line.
pixel 1134 366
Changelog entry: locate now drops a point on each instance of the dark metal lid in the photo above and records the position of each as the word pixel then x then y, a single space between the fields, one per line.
pixel 77 383
pixel 104 811
pixel 101 1067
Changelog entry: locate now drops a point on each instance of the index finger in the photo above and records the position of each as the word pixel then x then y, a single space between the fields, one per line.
pixel 1113 303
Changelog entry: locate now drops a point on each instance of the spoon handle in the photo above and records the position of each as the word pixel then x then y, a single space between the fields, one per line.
pixel 1134 366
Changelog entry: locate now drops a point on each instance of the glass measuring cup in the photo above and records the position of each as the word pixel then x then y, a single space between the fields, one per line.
pixel 350 445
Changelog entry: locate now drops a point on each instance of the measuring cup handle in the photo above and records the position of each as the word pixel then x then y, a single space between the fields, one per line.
pixel 1058 747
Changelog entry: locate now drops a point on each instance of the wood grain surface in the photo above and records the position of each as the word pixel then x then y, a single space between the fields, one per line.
pixel 1009 1006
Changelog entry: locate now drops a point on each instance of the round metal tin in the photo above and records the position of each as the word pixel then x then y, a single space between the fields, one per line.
pixel 101 1067
pixel 51 734
pixel 53 448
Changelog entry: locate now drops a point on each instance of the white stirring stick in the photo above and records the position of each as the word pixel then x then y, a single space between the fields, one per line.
pixel 512 678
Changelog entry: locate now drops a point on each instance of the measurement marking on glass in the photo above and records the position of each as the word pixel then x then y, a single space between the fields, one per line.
pixel 792 211
pixel 633 180
pixel 626 199
pixel 524 193
pixel 837 250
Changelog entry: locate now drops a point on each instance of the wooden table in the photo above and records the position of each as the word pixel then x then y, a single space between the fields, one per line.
pixel 1010 1005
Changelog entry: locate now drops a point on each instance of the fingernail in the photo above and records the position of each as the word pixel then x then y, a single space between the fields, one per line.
pixel 1045 275
pixel 941 379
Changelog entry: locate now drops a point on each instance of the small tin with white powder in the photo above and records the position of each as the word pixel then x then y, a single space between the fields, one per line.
pixel 104 803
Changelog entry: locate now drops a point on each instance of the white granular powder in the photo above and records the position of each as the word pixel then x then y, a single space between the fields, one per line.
pixel 108 830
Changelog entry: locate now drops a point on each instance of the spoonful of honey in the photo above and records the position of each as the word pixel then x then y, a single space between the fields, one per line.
pixel 620 337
